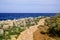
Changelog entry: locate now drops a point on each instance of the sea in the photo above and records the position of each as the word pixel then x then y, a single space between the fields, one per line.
pixel 11 16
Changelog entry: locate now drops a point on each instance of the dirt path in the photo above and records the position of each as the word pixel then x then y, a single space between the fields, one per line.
pixel 38 36
pixel 28 33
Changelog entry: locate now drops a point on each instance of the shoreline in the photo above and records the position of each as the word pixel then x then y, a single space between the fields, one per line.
pixel 16 26
pixel 6 16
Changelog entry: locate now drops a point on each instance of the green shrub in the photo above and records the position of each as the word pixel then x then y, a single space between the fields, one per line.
pixel 43 31
pixel 54 25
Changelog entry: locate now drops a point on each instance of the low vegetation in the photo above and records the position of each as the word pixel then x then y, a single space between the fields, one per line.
pixel 8 32
pixel 53 24
pixel 51 27
pixel 43 31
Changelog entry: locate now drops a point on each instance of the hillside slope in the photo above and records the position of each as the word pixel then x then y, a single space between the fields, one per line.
pixel 28 33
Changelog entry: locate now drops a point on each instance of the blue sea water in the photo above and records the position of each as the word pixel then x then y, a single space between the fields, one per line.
pixel 5 16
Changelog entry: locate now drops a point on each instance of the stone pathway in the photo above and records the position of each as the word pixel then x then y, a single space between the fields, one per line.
pixel 28 33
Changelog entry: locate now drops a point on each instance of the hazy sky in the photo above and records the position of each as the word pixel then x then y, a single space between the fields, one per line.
pixel 29 6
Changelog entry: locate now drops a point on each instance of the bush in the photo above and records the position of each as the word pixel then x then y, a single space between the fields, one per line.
pixel 54 25
pixel 43 31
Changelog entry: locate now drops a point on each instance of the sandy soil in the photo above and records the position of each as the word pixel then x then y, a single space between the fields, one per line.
pixel 28 33
pixel 38 36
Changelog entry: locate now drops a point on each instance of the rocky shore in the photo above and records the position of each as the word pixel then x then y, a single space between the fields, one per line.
pixel 12 28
